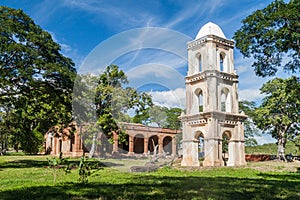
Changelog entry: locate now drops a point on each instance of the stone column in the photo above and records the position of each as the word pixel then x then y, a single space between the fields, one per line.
pixel 174 146
pixel 190 153
pixel 115 144
pixel 242 153
pixel 53 152
pixel 160 145
pixel 131 145
pixel 76 142
pixel 212 152
pixel 146 146
pixel 232 151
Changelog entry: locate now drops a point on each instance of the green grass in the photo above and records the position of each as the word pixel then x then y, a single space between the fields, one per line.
pixel 27 177
pixel 272 149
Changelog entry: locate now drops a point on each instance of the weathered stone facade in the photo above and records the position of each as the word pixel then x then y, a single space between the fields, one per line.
pixel 140 140
pixel 212 101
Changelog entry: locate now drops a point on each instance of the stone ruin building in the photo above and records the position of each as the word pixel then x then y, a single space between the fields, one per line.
pixel 212 111
pixel 140 141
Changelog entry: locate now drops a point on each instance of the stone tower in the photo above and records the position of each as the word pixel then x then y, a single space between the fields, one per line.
pixel 212 113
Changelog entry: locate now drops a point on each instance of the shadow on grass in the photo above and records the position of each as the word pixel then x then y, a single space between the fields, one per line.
pixel 167 187
pixel 291 176
pixel 26 163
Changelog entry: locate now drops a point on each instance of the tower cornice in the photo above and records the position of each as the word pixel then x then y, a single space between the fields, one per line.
pixel 211 73
pixel 210 38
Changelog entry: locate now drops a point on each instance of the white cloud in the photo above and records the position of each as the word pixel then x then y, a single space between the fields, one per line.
pixel 250 94
pixel 170 99
pixel 264 139
pixel 241 68
pixel 64 47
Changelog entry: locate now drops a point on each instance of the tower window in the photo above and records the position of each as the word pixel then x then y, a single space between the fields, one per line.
pixel 225 100
pixel 200 63
pixel 200 97
pixel 222 58
pixel 224 67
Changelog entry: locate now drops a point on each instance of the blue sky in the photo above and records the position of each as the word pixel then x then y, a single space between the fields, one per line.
pixel 92 30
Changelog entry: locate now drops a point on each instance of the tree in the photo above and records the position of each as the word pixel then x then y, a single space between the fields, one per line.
pixel 113 101
pixel 165 117
pixel 36 80
pixel 250 129
pixel 272 37
pixel 158 116
pixel 280 110
pixel 107 96
pixel 173 118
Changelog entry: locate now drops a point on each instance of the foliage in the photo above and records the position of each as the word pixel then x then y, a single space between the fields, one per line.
pixel 158 115
pixel 165 117
pixel 36 80
pixel 272 148
pixel 26 178
pixel 280 110
pixel 173 118
pixel 56 164
pixel 250 129
pixel 103 101
pixel 272 37
pixel 113 101
pixel 84 170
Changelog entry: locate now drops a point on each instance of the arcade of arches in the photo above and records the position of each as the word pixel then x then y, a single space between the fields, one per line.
pixel 140 140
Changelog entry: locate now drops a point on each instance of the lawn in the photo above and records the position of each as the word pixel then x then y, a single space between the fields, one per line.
pixel 28 177
pixel 271 148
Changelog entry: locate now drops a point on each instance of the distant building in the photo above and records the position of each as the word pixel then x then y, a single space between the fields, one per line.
pixel 140 140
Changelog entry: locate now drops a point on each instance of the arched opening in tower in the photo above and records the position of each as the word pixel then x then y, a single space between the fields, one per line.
pixel 199 94
pixel 200 137
pixel 223 63
pixel 225 100
pixel 200 63
pixel 225 147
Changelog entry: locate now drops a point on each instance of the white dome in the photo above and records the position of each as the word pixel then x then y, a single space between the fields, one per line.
pixel 210 29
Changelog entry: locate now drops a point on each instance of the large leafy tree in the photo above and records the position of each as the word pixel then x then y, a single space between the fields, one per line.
pixel 113 100
pixel 36 80
pixel 280 110
pixel 272 37
pixel 165 117
pixel 102 101
pixel 250 129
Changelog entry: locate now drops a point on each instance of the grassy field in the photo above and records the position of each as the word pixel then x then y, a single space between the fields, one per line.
pixel 28 177
pixel 272 149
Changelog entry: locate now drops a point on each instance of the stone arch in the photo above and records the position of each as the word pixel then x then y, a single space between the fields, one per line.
pixel 167 144
pixel 138 143
pixel 225 104
pixel 199 62
pixel 152 139
pixel 223 62
pixel 226 136
pixel 200 97
pixel 199 136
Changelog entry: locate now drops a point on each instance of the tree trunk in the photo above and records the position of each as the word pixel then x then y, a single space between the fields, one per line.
pixel 281 146
pixel 93 148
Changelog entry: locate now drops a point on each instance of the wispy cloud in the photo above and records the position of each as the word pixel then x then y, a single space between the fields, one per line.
pixel 170 99
pixel 250 95
pixel 117 13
